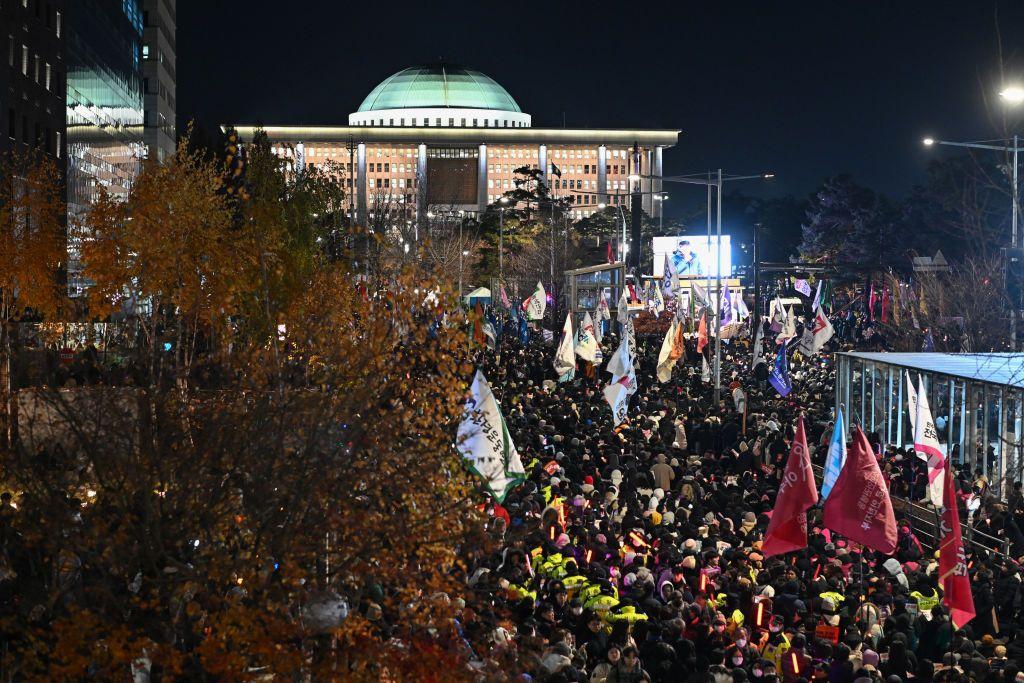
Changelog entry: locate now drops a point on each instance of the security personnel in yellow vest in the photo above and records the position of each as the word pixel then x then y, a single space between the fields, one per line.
pixel 778 643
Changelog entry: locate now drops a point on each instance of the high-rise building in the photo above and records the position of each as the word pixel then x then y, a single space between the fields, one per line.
pixel 104 106
pixel 451 137
pixel 32 76
pixel 159 76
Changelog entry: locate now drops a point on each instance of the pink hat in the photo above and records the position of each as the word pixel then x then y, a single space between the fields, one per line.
pixel 562 541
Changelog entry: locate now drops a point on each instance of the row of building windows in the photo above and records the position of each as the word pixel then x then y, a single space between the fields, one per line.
pixel 32 65
pixel 493 152
pixel 438 121
pixel 45 12
pixel 34 134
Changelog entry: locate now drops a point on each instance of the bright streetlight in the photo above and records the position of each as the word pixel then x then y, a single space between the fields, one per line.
pixel 928 142
pixel 1012 94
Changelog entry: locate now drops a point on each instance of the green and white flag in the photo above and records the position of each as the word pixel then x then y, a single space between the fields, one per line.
pixel 485 443
pixel 535 305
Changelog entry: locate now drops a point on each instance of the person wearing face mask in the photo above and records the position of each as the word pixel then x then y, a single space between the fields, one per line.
pixel 778 642
pixel 741 647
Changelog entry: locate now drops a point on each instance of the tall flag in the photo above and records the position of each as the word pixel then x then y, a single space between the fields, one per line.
pixel 631 340
pixel 620 365
pixel 565 357
pixel 928 345
pixel 802 286
pixel 926 444
pixel 779 376
pixel 705 369
pixel 490 331
pixel 911 405
pixel 701 294
pixel 603 313
pixel 777 313
pixel 504 298
pixel 787 530
pixel 859 506
pixel 671 351
pixel 617 395
pixel 702 332
pixel 609 255
pixel 836 457
pixel 788 327
pixel 817 296
pixel 657 299
pixel 484 441
pixel 816 336
pixel 524 330
pixel 670 279
pixel 726 307
pixel 758 340
pixel 953 574
pixel 478 325
pixel 622 313
pixel 586 340
pixel 535 305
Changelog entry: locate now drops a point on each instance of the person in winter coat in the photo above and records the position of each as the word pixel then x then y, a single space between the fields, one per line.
pixel 628 670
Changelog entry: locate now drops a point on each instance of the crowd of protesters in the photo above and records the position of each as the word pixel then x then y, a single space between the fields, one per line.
pixel 634 552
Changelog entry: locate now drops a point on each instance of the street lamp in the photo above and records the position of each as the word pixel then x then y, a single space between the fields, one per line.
pixel 1012 94
pixel 661 213
pixel 501 240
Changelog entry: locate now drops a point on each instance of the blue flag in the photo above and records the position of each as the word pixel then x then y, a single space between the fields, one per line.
pixel 779 377
pixel 524 330
pixel 836 456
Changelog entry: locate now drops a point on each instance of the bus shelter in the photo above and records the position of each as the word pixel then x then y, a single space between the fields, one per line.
pixel 585 286
pixel 975 400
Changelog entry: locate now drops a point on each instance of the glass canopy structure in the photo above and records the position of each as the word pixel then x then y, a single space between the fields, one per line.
pixel 975 399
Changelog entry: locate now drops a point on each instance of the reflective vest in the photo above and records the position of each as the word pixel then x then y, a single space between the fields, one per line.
pixel 925 603
pixel 601 603
pixel 627 613
pixel 574 584
pixel 776 652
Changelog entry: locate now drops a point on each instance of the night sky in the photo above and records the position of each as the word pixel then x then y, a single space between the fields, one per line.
pixel 807 90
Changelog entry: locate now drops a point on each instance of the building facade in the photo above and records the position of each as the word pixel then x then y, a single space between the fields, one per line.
pixel 104 107
pixel 447 136
pixel 32 77
pixel 159 76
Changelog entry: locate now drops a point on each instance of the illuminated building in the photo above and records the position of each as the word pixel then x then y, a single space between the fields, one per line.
pixel 447 136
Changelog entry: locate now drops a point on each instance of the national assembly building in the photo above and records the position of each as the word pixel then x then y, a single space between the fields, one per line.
pixel 448 136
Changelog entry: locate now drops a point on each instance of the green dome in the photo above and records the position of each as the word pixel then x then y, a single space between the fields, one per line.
pixel 440 85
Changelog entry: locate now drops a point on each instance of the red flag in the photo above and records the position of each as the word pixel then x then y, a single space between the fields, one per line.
pixel 787 530
pixel 953 575
pixel 702 333
pixel 611 257
pixel 478 329
pixel 859 506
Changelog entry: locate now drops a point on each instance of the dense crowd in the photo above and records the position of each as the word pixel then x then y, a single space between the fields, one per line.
pixel 633 553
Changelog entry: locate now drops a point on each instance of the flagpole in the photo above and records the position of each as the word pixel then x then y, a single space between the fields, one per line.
pixel 718 303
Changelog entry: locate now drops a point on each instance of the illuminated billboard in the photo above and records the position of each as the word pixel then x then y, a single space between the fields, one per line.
pixel 693 255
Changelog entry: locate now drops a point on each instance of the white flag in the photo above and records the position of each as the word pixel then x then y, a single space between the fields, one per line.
pixel 926 444
pixel 911 406
pixel 666 361
pixel 758 337
pixel 617 396
pixel 817 336
pixel 622 314
pixel 621 367
pixel 484 441
pixel 565 358
pixel 586 340
pixel 788 328
pixel 705 369
pixel 701 294
pixel 670 279
pixel 659 301
pixel 537 303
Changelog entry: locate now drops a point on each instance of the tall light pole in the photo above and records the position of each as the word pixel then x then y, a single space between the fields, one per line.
pixel 716 183
pixel 660 197
pixel 1015 148
pixel 501 241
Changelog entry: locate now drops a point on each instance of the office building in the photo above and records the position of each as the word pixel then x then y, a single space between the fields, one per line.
pixel 447 136
pixel 159 18
pixel 104 107
pixel 32 76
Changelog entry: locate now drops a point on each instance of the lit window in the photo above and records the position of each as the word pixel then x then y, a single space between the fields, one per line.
pixel 58 24
pixel 48 76
pixel 24 60
pixel 145 51
pixel 10 51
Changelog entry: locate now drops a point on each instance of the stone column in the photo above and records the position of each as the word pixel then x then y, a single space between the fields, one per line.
pixel 602 174
pixel 421 184
pixel 361 207
pixel 657 172
pixel 542 161
pixel 481 180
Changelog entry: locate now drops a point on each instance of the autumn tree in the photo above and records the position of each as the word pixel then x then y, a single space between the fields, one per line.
pixel 33 251
pixel 300 517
